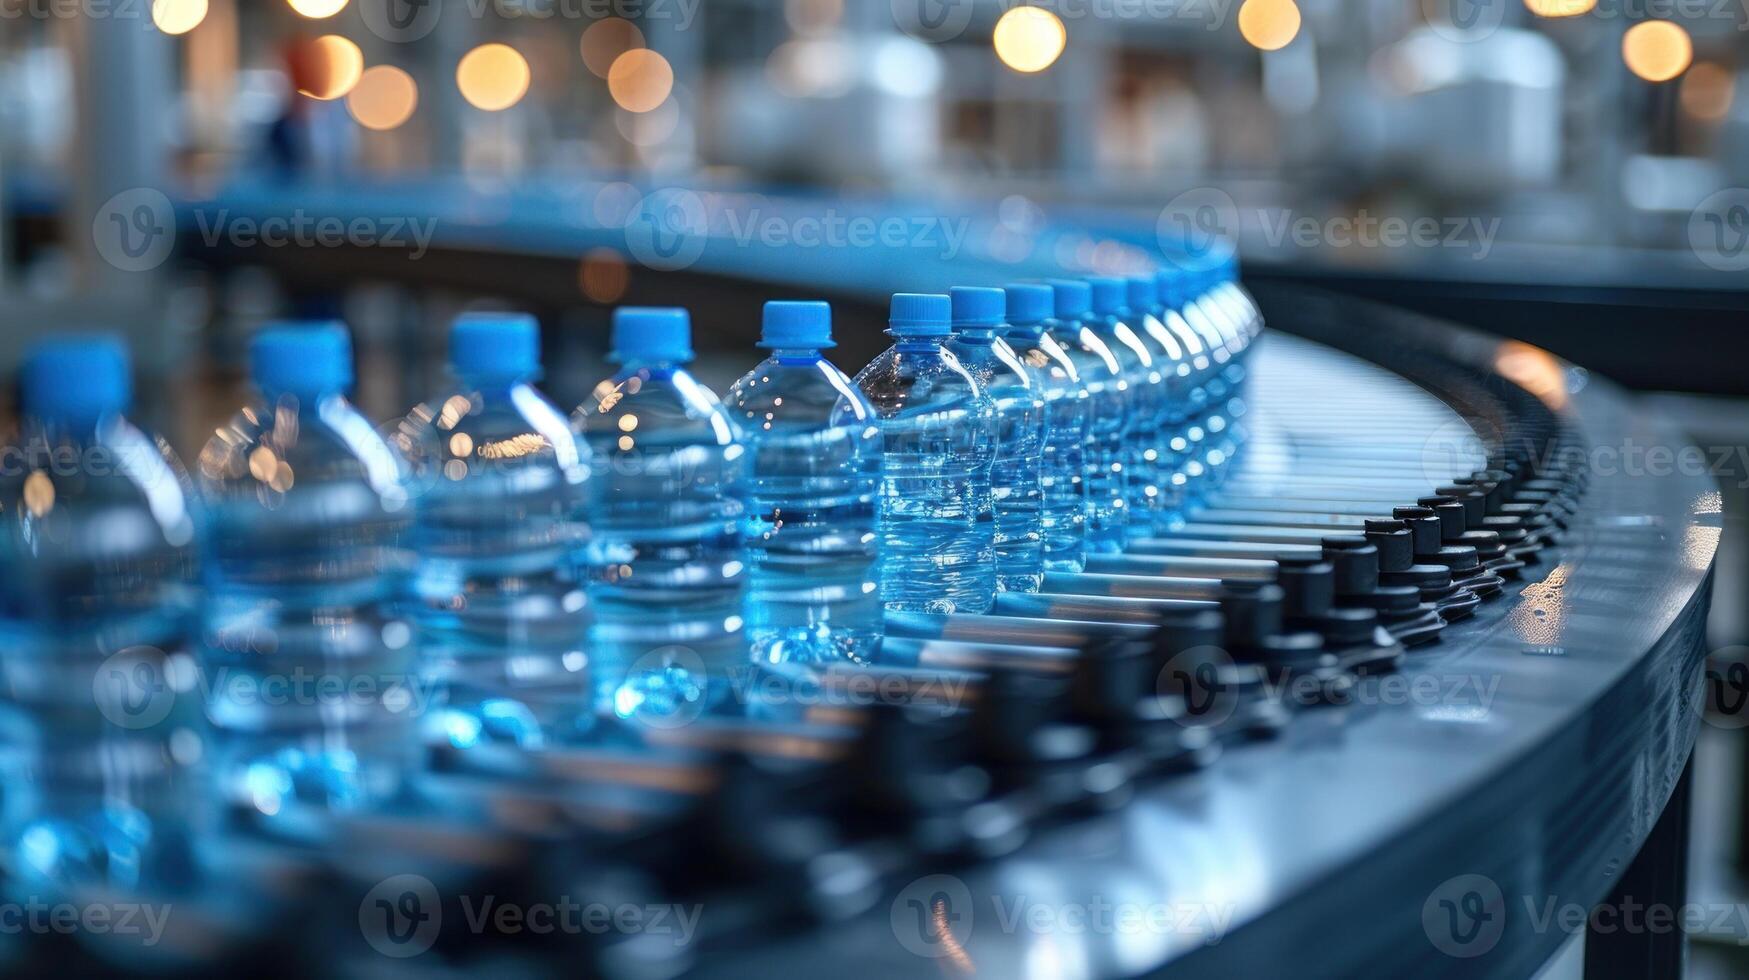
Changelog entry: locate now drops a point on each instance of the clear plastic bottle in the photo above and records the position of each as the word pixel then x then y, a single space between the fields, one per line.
pixel 1207 391
pixel 1177 380
pixel 665 559
pixel 1067 405
pixel 809 496
pixel 938 437
pixel 312 690
pixel 1145 398
pixel 1017 391
pixel 102 732
pixel 502 611
pixel 1107 384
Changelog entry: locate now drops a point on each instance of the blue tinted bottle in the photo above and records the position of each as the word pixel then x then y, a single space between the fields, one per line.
pixel 502 611
pixel 812 476
pixel 938 438
pixel 1104 375
pixel 312 689
pixel 104 756
pixel 1017 391
pixel 665 562
pixel 1067 407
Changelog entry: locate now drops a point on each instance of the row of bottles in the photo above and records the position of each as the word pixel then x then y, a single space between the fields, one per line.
pixel 324 598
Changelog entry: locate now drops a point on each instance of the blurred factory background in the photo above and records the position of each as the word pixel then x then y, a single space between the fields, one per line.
pixel 1573 172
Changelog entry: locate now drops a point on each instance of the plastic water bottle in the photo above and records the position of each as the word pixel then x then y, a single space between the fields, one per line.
pixel 938 437
pixel 1145 398
pixel 1067 405
pixel 310 672
pixel 502 611
pixel 102 733
pixel 1213 434
pixel 1175 368
pixel 1018 394
pixel 1207 392
pixel 1107 383
pixel 813 451
pixel 665 559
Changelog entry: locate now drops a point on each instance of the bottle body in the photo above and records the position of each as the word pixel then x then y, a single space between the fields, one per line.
pixel 1016 487
pixel 808 498
pixel 1062 478
pixel 938 434
pixel 312 689
pixel 502 614
pixel 1104 464
pixel 97 604
pixel 664 564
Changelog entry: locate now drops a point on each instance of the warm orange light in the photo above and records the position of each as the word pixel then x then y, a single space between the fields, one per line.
pixel 1029 39
pixel 1269 25
pixel 606 40
pixel 1657 50
pixel 604 276
pixel 1560 8
pixel 335 67
pixel 640 80
pixel 1707 90
pixel 178 16
pixel 492 77
pixel 317 9
pixel 384 98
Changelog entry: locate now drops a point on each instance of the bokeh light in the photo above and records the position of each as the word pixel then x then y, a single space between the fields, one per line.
pixel 1029 39
pixel 317 9
pixel 333 66
pixel 1657 50
pixel 1269 25
pixel 640 80
pixel 606 40
pixel 1560 8
pixel 1707 90
pixel 604 275
pixel 813 17
pixel 178 16
pixel 492 77
pixel 812 68
pixel 384 98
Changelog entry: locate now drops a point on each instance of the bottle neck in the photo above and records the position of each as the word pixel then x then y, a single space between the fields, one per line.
pixel 655 365
pixel 921 344
pixel 796 355
pixel 977 334
pixel 1025 331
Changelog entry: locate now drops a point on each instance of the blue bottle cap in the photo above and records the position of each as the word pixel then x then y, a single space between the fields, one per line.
pixel 977 306
pixel 1110 295
pixel 921 315
pixel 1073 298
pixel 651 334
pixel 795 324
pixel 1171 282
pixel 76 379
pixel 304 359
pixel 1029 302
pixel 494 347
pixel 1144 292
